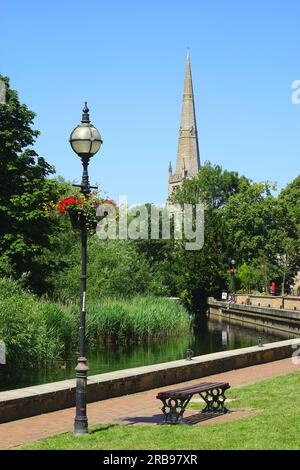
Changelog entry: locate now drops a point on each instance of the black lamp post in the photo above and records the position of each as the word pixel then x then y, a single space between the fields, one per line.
pixel 85 140
pixel 233 271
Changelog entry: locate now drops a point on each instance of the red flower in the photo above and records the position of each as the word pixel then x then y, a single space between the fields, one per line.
pixel 109 201
pixel 84 203
pixel 62 205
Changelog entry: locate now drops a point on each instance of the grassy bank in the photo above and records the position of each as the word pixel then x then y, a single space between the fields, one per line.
pixel 274 423
pixel 37 331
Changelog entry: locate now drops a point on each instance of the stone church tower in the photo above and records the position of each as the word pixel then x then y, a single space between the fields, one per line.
pixel 188 159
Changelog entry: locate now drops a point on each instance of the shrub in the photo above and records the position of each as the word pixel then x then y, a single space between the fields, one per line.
pixel 115 269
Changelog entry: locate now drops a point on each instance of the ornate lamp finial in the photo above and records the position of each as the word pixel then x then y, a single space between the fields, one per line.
pixel 85 115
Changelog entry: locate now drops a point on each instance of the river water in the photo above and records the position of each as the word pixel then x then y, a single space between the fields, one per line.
pixel 209 335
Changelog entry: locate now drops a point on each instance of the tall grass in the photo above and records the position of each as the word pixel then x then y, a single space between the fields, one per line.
pixel 137 319
pixel 34 331
pixel 37 331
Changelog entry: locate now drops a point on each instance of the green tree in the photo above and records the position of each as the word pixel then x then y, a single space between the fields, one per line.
pixel 25 229
pixel 288 216
pixel 251 225
pixel 290 195
pixel 202 273
pixel 263 231
pixel 116 268
pixel 212 186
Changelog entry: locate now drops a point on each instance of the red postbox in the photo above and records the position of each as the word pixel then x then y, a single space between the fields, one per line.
pixel 273 287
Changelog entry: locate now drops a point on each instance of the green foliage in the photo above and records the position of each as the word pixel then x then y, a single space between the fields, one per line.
pixel 37 331
pixel 60 322
pixel 243 221
pixel 213 186
pixel 288 219
pixel 254 276
pixel 250 222
pixel 34 331
pixel 262 231
pixel 139 318
pixel 115 268
pixel 25 230
pixel 290 197
pixel 199 274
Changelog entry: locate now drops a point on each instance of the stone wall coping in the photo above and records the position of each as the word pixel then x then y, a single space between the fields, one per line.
pixel 283 313
pixel 256 296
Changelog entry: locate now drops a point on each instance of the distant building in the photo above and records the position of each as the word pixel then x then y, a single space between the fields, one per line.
pixel 188 157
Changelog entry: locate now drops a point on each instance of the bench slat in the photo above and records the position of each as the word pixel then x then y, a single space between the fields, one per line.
pixel 202 387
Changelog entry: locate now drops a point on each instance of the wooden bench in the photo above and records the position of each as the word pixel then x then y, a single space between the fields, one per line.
pixel 176 401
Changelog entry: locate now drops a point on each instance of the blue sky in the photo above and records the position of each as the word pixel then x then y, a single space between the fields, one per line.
pixel 127 59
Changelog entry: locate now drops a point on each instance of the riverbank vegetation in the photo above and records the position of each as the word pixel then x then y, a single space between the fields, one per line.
pixel 38 331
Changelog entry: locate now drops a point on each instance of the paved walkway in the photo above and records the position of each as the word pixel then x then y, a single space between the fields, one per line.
pixel 140 408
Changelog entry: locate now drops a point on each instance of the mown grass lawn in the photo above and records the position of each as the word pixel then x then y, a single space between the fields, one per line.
pixel 274 425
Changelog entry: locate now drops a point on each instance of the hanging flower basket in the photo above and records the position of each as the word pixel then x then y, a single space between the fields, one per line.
pixel 80 221
pixel 85 211
pixel 76 217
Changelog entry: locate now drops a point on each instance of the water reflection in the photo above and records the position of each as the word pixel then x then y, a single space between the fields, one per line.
pixel 209 335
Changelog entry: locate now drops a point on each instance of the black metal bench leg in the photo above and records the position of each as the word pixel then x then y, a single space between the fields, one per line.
pixel 215 400
pixel 173 409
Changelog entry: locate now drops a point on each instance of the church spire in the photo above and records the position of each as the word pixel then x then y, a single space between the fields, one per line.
pixel 188 149
pixel 188 159
pixel 188 83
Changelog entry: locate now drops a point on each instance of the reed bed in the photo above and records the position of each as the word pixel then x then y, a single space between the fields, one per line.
pixel 38 331
pixel 135 319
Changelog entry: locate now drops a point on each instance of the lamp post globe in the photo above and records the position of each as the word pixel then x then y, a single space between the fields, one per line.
pixel 85 140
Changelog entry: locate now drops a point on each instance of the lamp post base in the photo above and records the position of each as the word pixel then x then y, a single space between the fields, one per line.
pixel 80 428
pixel 81 421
